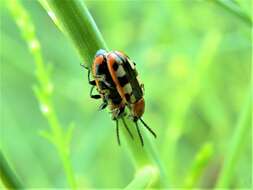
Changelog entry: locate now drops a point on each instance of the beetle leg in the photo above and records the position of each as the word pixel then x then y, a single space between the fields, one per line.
pixel 82 65
pixel 91 82
pixel 102 79
pixel 131 117
pixel 118 111
pixel 105 99
pixel 103 105
pixel 115 113
pixel 121 112
pixel 96 96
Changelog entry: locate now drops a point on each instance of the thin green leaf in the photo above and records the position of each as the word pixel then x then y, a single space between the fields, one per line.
pixel 44 88
pixel 69 133
pixel 201 160
pixel 243 127
pixel 47 136
pixel 78 24
pixel 185 97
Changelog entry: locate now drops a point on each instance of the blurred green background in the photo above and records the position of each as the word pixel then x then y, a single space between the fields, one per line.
pixel 194 58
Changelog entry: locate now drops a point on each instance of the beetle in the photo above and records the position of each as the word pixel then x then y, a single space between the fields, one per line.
pixel 107 90
pixel 124 75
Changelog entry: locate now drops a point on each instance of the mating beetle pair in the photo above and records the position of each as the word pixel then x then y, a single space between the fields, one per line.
pixel 115 79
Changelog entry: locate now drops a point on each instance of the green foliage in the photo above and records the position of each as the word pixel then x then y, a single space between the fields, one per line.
pixel 74 18
pixel 88 41
pixel 194 59
pixel 200 162
pixel 59 138
pixel 242 128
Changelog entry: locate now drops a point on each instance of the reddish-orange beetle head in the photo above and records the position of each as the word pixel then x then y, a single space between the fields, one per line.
pixel 138 109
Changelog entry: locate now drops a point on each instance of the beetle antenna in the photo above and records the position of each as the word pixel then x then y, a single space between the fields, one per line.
pixel 82 65
pixel 139 133
pixel 123 120
pixel 148 128
pixel 87 68
pixel 117 131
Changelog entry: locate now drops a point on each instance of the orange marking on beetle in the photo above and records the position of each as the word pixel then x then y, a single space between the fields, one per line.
pixel 138 108
pixel 110 61
pixel 97 61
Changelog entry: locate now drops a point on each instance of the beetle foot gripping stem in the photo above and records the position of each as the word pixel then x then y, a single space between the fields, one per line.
pixel 84 66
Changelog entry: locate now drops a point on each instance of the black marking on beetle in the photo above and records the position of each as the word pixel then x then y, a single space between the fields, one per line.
pixel 112 94
pixel 115 66
pixel 123 80
pixel 127 96
pixel 131 74
pixel 115 97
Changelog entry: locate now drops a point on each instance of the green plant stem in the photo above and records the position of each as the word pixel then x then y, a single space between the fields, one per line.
pixel 7 174
pixel 147 155
pixel 243 128
pixel 58 138
pixel 235 10
pixel 44 89
pixel 74 19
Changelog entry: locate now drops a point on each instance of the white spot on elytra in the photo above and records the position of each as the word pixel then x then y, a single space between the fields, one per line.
pixel 127 88
pixel 120 71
